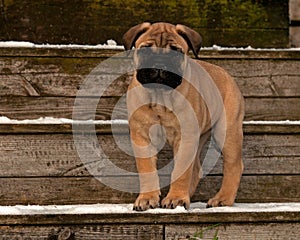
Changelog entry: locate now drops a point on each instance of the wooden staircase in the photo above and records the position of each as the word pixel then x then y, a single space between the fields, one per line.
pixel 46 191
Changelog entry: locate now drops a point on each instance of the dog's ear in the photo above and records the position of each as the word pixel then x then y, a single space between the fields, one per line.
pixel 130 37
pixel 193 39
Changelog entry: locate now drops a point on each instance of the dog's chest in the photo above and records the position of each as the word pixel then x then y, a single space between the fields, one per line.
pixel 163 106
pixel 164 116
pixel 167 122
pixel 161 111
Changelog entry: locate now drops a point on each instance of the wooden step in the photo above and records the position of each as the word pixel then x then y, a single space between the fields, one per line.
pixel 118 221
pixel 44 82
pixel 40 165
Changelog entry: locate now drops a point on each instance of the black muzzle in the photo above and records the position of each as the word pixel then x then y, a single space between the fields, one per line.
pixel 158 66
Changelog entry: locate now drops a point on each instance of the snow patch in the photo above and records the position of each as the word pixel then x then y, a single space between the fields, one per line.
pixel 249 207
pixel 285 122
pixel 111 44
pixel 12 44
pixel 198 207
pixel 51 120
pixel 249 48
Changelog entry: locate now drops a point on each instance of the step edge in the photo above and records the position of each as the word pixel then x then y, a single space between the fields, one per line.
pixel 96 214
pixel 121 127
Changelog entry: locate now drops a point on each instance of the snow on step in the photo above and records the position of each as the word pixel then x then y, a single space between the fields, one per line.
pixel 52 120
pixel 112 44
pixel 198 207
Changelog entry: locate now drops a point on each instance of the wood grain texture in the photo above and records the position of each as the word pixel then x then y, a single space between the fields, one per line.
pixel 83 232
pixel 42 166
pixel 294 7
pixel 62 107
pixel 276 231
pixel 62 84
pixel 82 52
pixel 44 82
pixel 59 107
pixel 272 109
pixel 295 36
pixel 56 155
pixel 88 190
pixel 62 76
pixel 122 128
pixel 233 231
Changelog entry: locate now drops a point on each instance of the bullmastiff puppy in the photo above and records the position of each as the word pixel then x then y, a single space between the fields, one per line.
pixel 183 101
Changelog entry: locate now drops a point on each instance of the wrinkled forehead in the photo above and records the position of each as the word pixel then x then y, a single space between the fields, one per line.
pixel 161 36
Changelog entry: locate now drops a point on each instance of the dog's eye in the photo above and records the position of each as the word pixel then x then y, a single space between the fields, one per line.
pixel 146 45
pixel 174 48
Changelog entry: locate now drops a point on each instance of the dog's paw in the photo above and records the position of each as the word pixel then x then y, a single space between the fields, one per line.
pixel 171 202
pixel 146 201
pixel 220 201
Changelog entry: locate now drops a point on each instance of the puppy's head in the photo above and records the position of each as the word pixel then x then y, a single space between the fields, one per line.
pixel 160 52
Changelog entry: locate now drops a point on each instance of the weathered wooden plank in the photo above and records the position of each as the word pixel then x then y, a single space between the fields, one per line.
pixel 295 36
pixel 88 190
pixel 62 107
pixel 272 108
pixel 59 84
pixel 83 232
pixel 81 51
pixel 63 76
pixel 269 128
pixel 261 67
pixel 59 107
pixel 62 84
pixel 233 231
pixel 276 231
pixel 39 65
pixel 294 7
pixel 252 127
pixel 56 155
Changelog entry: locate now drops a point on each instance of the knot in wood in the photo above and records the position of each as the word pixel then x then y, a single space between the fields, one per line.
pixel 65 234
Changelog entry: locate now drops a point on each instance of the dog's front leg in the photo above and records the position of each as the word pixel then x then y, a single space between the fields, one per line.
pixel 145 156
pixel 185 154
pixel 149 196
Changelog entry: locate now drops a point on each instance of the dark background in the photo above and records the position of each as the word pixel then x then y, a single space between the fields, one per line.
pixel 259 23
